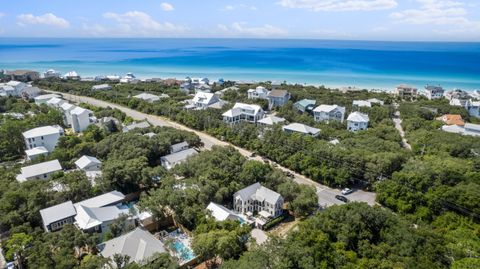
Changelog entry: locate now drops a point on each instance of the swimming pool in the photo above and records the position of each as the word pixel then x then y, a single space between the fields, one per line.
pixel 182 251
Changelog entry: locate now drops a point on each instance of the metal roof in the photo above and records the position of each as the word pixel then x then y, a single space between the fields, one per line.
pixel 40 169
pixel 57 212
pixel 41 131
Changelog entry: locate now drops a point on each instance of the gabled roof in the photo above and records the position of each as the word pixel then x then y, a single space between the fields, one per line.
pixel 86 161
pixel 221 213
pixel 362 103
pixel 78 111
pixel 138 244
pixel 147 96
pixel 257 192
pixel 358 117
pixel 472 127
pixel 179 156
pixel 306 102
pixel 301 128
pixel 452 119
pixel 141 125
pixel 40 169
pixel 258 89
pixel 55 101
pixel 239 107
pixel 204 98
pixel 46 96
pixel 178 146
pixel 277 93
pixel 57 212
pixel 329 108
pixel 271 120
pixel 89 217
pixel 105 199
pixel 67 106
pixel 41 131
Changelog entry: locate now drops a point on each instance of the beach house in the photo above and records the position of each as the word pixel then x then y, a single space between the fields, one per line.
pixel 80 119
pixel 179 147
pixel 327 113
pixel 45 136
pixel 101 87
pixel 147 97
pixel 305 105
pixel 433 92
pixel 39 171
pixel 88 163
pixel 34 153
pixel 243 112
pixel 452 119
pixel 405 91
pixel 203 100
pixel 66 108
pixel 259 92
pixel 301 128
pixel 57 216
pixel 55 102
pixel 22 75
pixel 139 245
pixel 221 213
pixel 42 99
pixel 277 98
pixel 136 125
pixel 271 120
pixel 357 121
pixel 468 129
pixel 72 75
pixel 51 73
pixel 256 198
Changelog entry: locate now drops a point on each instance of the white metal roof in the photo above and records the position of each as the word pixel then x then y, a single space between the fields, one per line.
pixel 271 120
pixel 301 128
pixel 328 108
pixel 358 117
pixel 86 161
pixel 36 151
pixel 89 217
pixel 40 131
pixel 78 111
pixel 40 169
pixel 221 213
pixel 179 156
pixel 257 192
pixel 46 97
pixel 362 103
pixel 58 212
pixel 105 199
pixel 147 97
pixel 241 108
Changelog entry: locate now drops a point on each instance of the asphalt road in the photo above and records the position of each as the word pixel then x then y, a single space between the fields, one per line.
pixel 326 195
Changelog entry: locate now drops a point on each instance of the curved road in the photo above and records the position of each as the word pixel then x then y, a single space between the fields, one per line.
pixel 326 195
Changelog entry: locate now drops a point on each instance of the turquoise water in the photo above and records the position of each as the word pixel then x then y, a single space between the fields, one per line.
pixel 333 63
pixel 185 253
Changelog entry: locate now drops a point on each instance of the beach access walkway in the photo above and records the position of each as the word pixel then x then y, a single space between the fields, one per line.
pixel 398 125
pixel 326 195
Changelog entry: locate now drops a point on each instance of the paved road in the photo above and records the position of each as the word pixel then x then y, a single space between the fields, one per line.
pixel 326 195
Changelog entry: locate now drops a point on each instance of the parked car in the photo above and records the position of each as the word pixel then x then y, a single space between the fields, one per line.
pixel 347 191
pixel 342 198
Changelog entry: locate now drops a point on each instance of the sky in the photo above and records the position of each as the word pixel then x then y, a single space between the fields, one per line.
pixel 395 20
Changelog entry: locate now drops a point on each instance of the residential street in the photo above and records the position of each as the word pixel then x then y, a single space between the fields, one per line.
pixel 326 195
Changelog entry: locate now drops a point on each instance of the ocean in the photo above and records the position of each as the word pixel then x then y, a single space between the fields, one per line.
pixel 366 64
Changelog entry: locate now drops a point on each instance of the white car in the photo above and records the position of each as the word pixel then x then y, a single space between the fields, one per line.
pixel 347 191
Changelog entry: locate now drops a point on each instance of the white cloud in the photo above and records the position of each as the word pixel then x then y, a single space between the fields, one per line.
pixel 241 6
pixel 339 5
pixel 242 29
pixel 45 19
pixel 136 23
pixel 166 6
pixel 438 12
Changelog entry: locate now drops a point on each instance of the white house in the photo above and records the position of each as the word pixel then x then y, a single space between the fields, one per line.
pixel 128 78
pixel 375 101
pixel 277 98
pixel 32 154
pixel 147 97
pixel 88 163
pixel 329 113
pixel 42 99
pixel 72 75
pixel 467 129
pixel 55 217
pixel 256 198
pixel 12 88
pixel 243 112
pixel 139 245
pixel 474 108
pixel 434 92
pixel 46 136
pixel 301 128
pixel 171 160
pixel 55 102
pixel 361 103
pixel 97 213
pixel 258 93
pixel 357 121
pixel 51 73
pixel 39 171
pixel 80 119
pixel 221 213
pixel 203 100
pixel 271 120
pixel 66 108
pixel 101 87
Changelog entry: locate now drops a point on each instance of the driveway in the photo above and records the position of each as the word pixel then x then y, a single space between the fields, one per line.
pixel 326 195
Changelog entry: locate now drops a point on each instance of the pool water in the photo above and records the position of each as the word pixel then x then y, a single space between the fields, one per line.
pixel 185 253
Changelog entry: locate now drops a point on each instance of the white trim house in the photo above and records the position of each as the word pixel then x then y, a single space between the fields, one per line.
pixel 256 198
pixel 39 171
pixel 46 136
pixel 243 112
pixel 301 128
pixel 258 93
pixel 357 121
pixel 329 113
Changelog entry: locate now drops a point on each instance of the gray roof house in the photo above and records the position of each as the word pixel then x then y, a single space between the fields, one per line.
pixel 139 125
pixel 301 128
pixel 55 217
pixel 171 160
pixel 138 244
pixel 258 198
pixel 101 87
pixel 88 163
pixel 277 98
pixel 305 105
pixel 179 147
pixel 39 171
